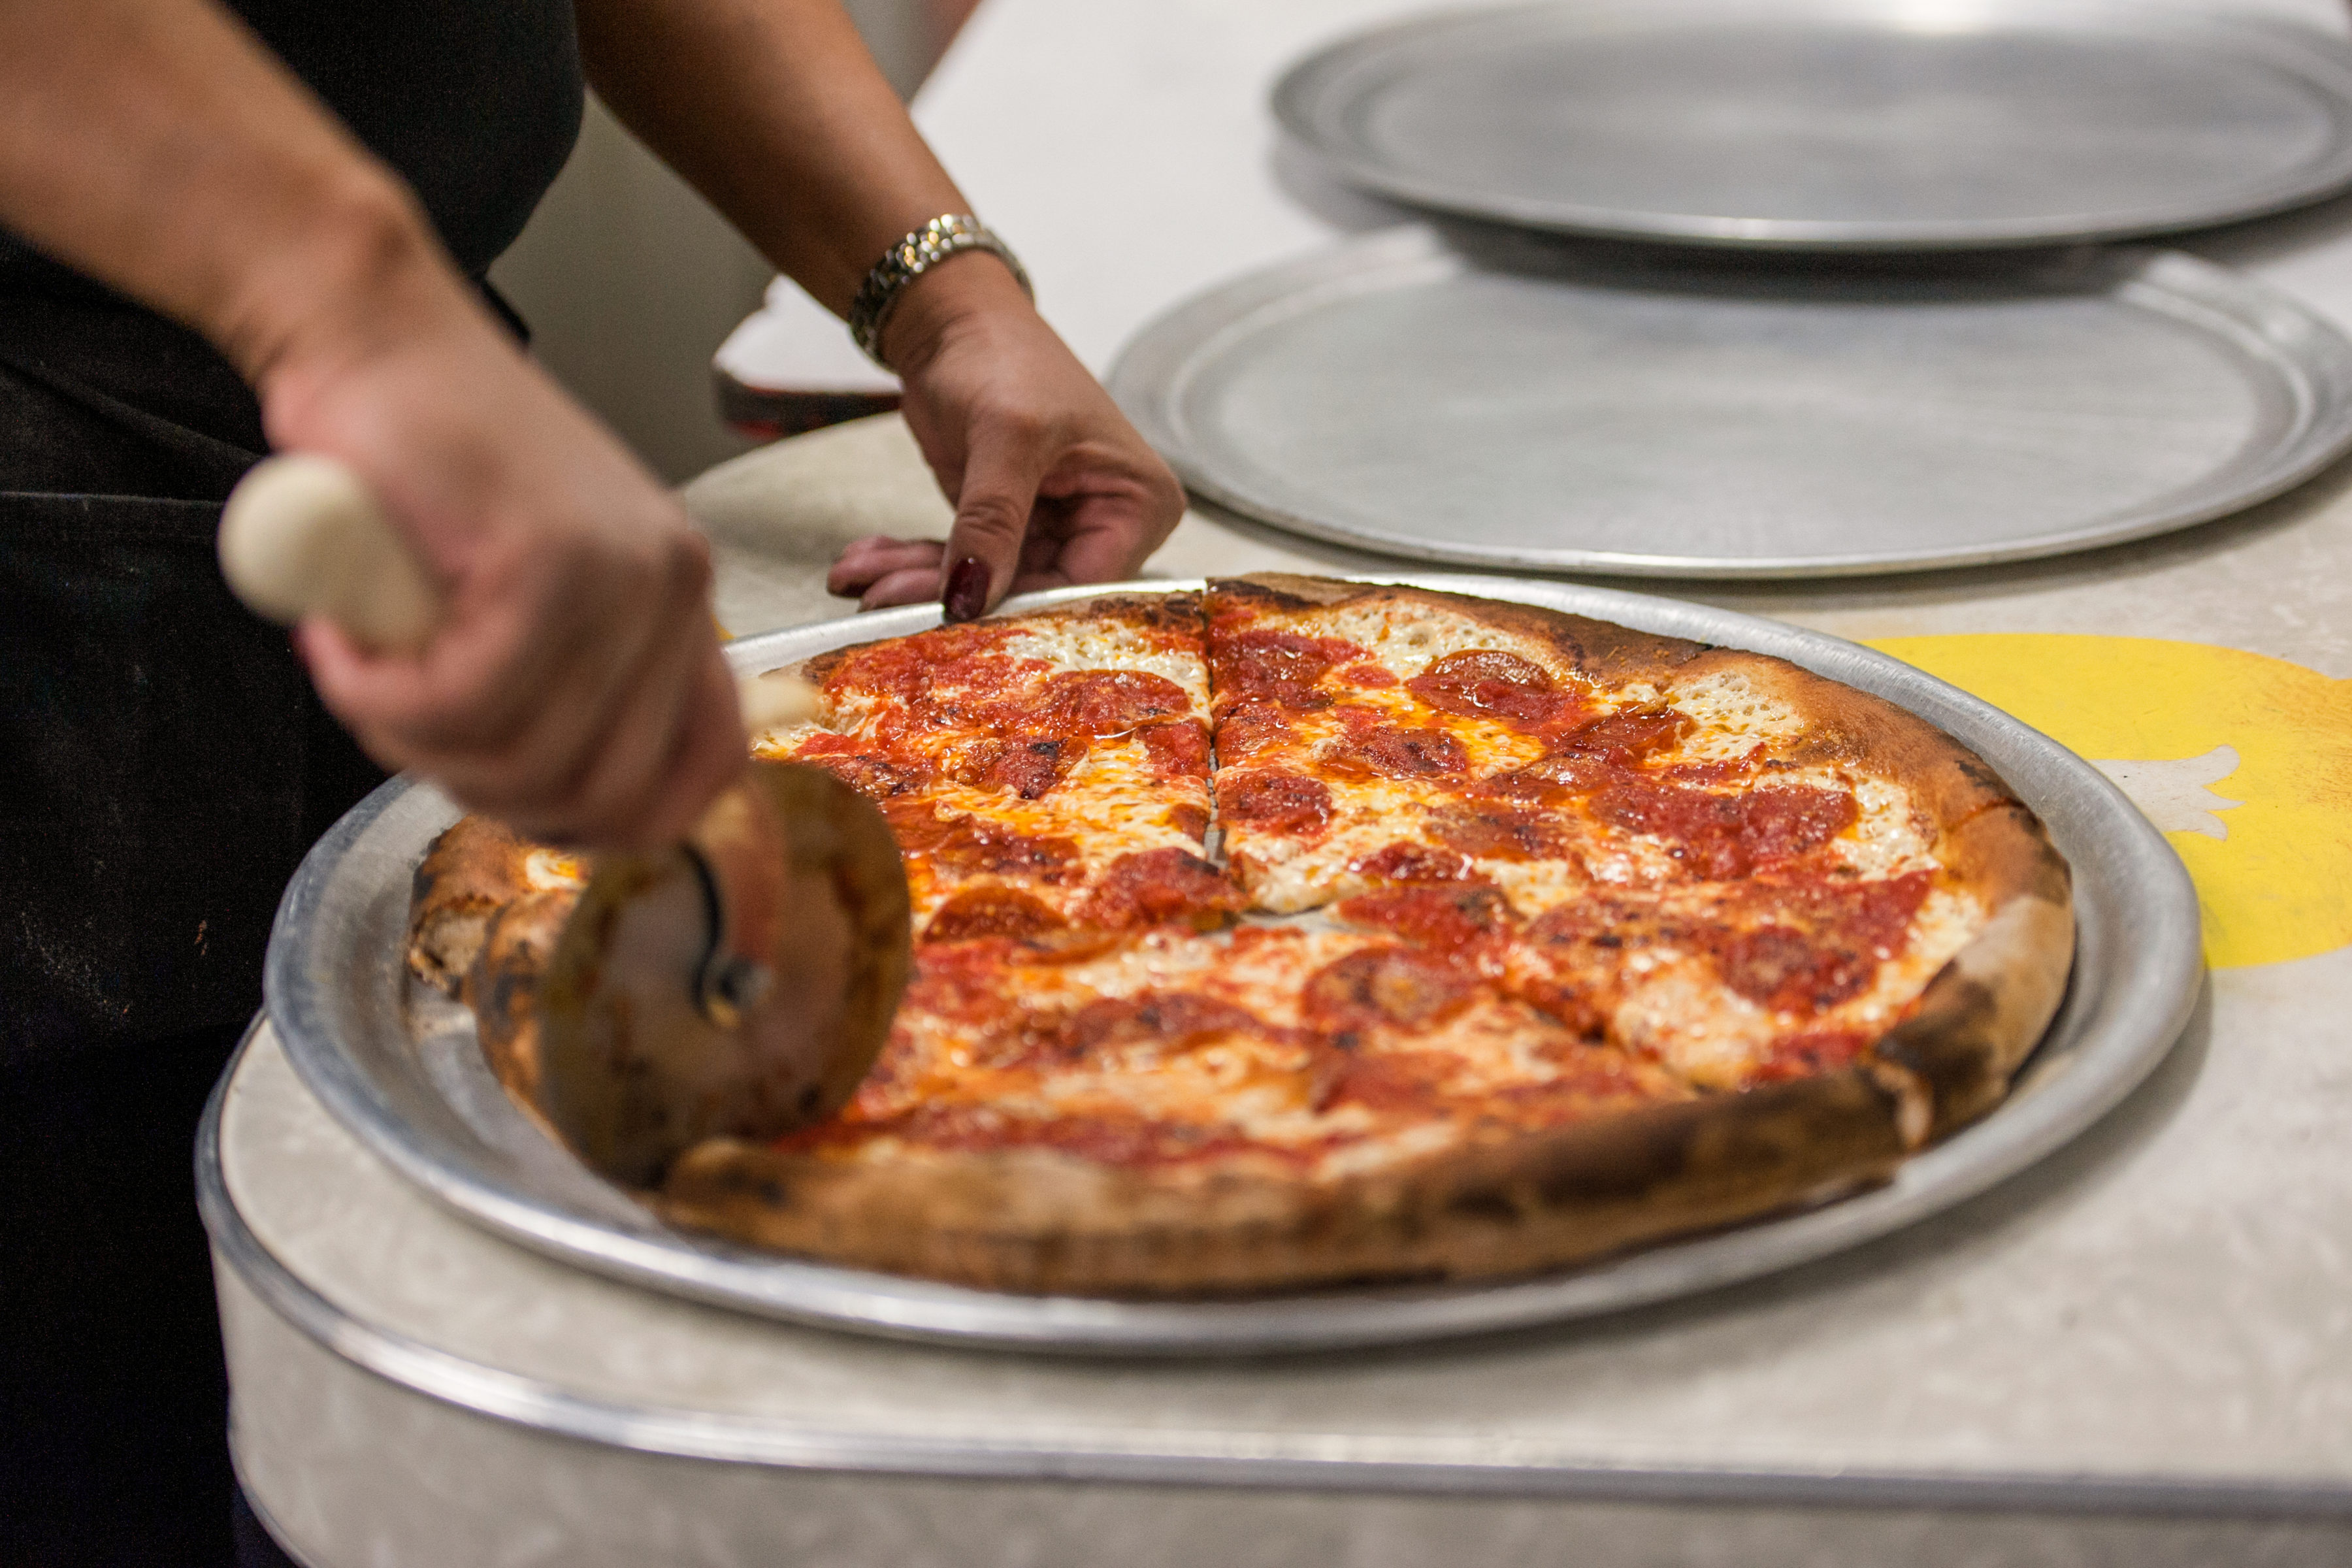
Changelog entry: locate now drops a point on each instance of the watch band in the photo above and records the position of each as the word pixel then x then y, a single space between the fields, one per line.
pixel 909 260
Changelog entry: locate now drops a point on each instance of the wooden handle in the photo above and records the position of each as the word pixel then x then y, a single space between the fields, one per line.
pixel 303 535
pixel 775 701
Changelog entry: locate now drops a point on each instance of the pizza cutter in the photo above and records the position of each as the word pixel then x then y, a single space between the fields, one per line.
pixel 737 984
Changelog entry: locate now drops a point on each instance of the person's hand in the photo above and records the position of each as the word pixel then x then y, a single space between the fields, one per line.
pixel 1051 485
pixel 574 687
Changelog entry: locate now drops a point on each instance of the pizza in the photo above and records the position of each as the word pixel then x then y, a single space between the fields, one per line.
pixel 1296 932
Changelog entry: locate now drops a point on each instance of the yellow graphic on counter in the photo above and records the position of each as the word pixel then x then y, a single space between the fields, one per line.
pixel 2245 761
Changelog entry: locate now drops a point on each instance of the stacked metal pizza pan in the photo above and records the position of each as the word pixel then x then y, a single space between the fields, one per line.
pixel 1716 289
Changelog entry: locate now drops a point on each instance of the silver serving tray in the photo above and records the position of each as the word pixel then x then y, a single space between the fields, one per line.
pixel 1494 400
pixel 1829 124
pixel 401 1069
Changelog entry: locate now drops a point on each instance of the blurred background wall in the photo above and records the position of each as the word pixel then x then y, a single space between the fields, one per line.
pixel 629 280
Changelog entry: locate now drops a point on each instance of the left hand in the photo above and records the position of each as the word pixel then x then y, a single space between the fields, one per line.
pixel 1051 485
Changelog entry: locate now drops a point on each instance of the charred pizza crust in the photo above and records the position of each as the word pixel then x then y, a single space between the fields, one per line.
pixel 1040 1220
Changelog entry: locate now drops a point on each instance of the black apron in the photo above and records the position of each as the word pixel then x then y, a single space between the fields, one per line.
pixel 163 766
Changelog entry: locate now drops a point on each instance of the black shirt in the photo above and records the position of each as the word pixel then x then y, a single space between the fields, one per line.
pixel 163 761
pixel 475 103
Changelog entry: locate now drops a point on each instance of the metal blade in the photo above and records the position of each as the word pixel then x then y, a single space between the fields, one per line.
pixel 737 985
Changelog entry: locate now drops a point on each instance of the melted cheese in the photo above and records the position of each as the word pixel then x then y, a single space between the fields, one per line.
pixel 1268 1083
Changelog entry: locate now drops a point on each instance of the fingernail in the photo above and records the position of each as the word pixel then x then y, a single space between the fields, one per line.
pixel 967 595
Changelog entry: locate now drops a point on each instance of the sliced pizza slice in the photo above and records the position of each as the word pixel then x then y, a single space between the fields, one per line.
pixel 1046 775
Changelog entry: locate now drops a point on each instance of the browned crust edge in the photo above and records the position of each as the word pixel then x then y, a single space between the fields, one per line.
pixel 474 870
pixel 1039 1221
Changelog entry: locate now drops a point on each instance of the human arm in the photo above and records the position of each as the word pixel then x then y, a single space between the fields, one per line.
pixel 774 109
pixel 574 686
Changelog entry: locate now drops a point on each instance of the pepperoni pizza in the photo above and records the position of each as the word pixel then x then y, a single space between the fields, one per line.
pixel 1304 931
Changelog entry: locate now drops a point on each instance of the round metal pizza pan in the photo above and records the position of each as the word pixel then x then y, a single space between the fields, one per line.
pixel 1835 125
pixel 401 1069
pixel 1497 401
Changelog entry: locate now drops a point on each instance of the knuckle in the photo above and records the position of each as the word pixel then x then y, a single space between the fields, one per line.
pixel 993 515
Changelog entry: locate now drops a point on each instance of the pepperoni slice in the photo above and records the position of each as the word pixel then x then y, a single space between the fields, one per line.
pixel 1807 1055
pixel 970 845
pixel 1413 863
pixel 1025 766
pixel 906 668
pixel 1625 737
pixel 1178 751
pixel 1499 832
pixel 1397 751
pixel 1276 667
pixel 1487 683
pixel 1391 1080
pixel 1154 886
pixel 1378 986
pixel 1781 968
pixel 1819 943
pixel 1720 838
pixel 1449 920
pixel 876 778
pixel 1552 781
pixel 1171 1018
pixel 1275 800
pixel 1109 701
pixel 987 911
pixel 1369 675
pixel 1248 729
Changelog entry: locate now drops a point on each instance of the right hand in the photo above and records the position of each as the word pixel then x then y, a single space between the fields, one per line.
pixel 574 686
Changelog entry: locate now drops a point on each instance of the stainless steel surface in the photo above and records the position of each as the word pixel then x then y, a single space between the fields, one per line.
pixel 1502 402
pixel 1836 123
pixel 403 1073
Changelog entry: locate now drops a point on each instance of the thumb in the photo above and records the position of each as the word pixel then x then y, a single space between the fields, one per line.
pixel 983 551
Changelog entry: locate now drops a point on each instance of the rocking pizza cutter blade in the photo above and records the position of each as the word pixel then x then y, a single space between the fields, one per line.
pixel 740 984
pixel 737 985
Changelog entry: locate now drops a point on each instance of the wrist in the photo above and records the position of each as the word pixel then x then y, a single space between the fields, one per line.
pixel 966 289
pixel 364 272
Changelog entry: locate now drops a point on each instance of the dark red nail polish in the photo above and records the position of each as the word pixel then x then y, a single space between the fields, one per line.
pixel 967 595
